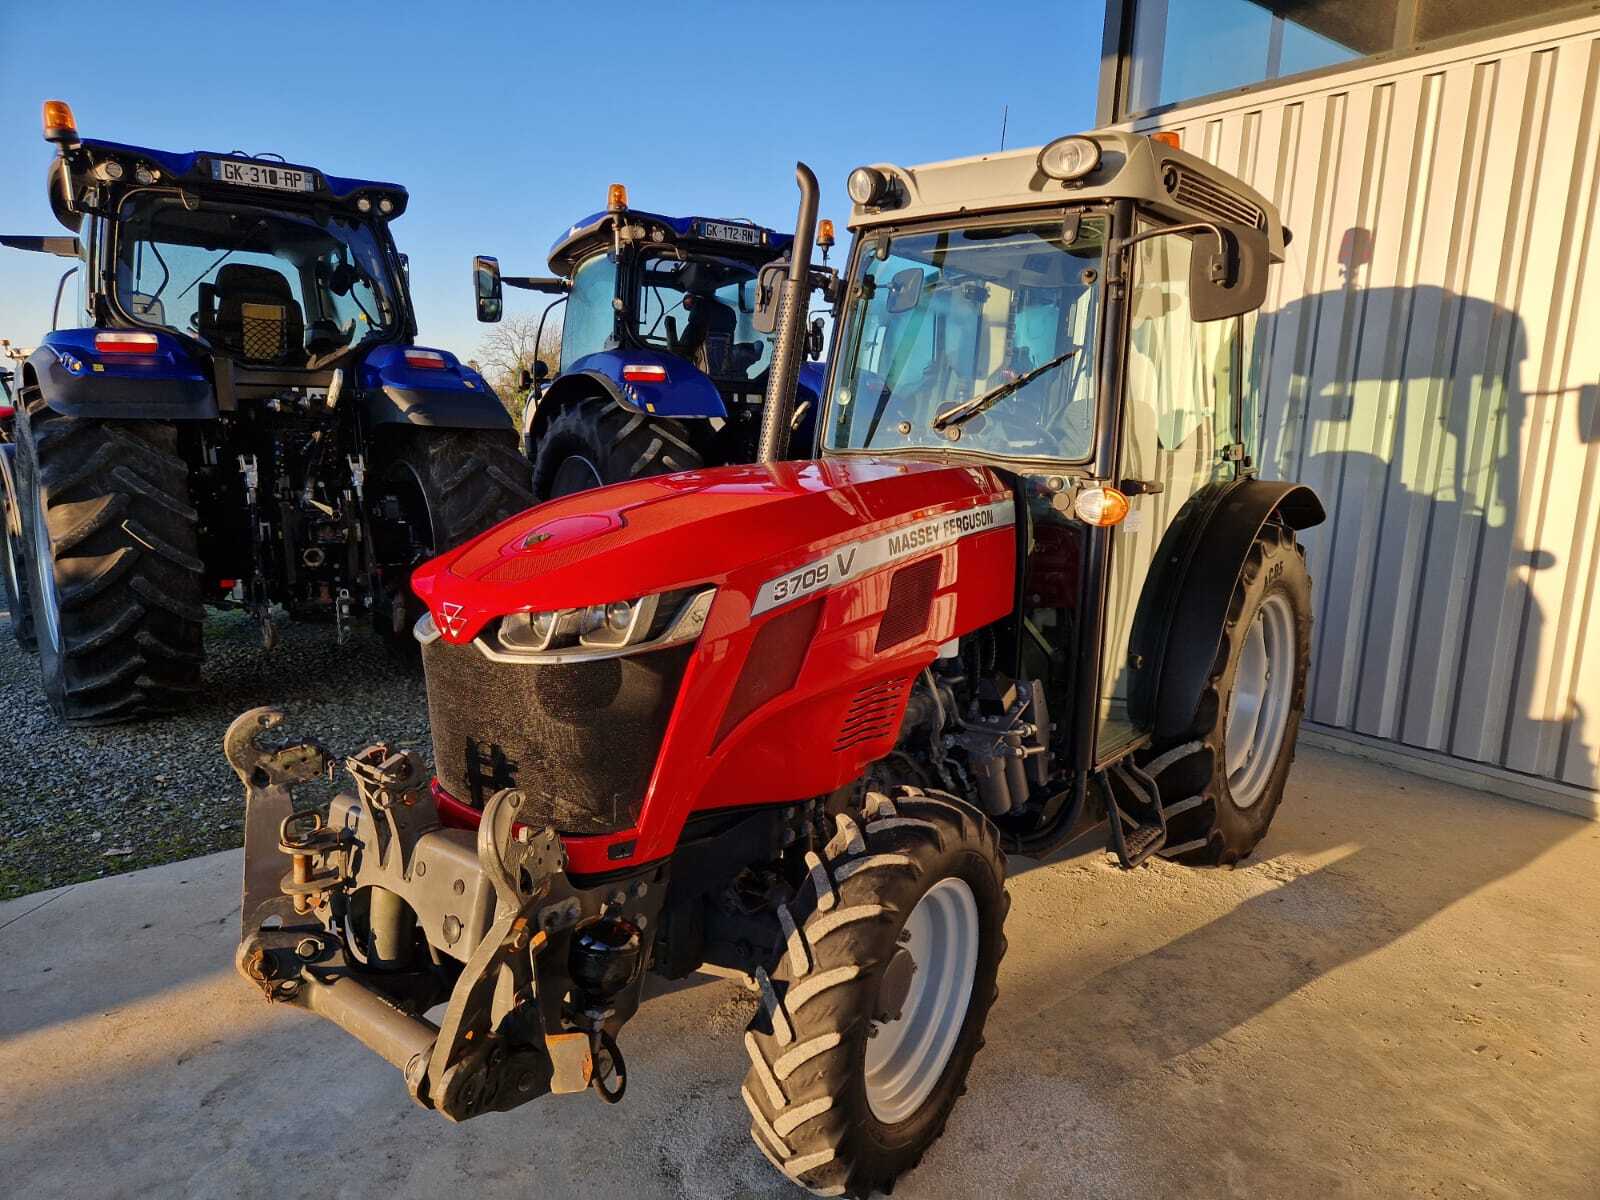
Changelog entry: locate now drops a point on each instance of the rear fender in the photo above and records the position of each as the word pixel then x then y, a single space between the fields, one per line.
pixel 76 380
pixel 1184 605
pixel 686 392
pixel 452 397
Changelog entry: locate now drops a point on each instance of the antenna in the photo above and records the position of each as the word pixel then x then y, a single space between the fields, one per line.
pixel 1005 113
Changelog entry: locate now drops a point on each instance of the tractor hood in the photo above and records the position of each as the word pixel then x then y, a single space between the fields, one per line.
pixel 737 528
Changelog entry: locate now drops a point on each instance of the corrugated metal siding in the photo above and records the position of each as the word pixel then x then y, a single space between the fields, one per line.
pixel 1441 394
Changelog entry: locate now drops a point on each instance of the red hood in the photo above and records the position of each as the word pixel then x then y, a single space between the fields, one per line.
pixel 713 526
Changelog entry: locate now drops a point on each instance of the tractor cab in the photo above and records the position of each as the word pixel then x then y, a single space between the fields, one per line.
pixel 661 319
pixel 1087 332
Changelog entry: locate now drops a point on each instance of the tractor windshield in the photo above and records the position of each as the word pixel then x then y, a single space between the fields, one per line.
pixel 938 322
pixel 270 287
pixel 700 309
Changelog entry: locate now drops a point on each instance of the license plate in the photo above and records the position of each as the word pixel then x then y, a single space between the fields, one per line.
pixel 262 175
pixel 742 234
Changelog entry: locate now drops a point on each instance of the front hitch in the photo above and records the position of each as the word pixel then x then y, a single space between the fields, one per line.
pixel 376 913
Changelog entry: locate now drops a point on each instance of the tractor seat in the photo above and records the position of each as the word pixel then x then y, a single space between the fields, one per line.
pixel 252 311
pixel 708 337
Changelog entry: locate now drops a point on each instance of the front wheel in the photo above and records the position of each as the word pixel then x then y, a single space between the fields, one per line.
pixel 871 1018
pixel 1222 784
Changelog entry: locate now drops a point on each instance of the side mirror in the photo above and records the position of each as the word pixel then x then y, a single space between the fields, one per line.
pixel 814 340
pixel 525 381
pixel 1227 279
pixel 486 288
pixel 905 289
pixel 541 370
pixel 769 295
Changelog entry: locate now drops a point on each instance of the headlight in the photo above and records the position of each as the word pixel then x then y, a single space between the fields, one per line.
pixel 868 186
pixel 364 204
pixel 1070 158
pixel 621 626
pixel 146 174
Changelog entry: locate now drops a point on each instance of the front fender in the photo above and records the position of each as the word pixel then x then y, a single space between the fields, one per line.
pixel 1184 605
pixel 76 380
pixel 453 396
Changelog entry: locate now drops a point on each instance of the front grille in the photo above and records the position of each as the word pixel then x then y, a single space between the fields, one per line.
pixel 1193 190
pixel 579 739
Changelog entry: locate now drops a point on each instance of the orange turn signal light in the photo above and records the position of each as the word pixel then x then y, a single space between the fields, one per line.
pixel 59 125
pixel 824 232
pixel 616 197
pixel 1100 505
pixel 1167 137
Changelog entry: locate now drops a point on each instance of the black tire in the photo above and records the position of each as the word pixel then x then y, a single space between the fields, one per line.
pixel 807 1084
pixel 450 486
pixel 597 441
pixel 14 571
pixel 1205 824
pixel 108 516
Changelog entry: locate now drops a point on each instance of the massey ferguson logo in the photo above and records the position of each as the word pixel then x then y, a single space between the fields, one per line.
pixel 450 616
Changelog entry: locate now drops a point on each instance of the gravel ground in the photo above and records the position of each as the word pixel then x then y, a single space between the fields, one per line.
pixel 79 804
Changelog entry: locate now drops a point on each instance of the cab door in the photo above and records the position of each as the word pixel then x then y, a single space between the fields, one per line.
pixel 1179 424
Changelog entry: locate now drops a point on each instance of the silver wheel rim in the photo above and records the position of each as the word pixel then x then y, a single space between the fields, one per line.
pixel 907 1056
pixel 45 603
pixel 1258 710
pixel 575 474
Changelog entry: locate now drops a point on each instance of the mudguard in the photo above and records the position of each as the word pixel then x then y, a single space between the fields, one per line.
pixel 1178 626
pixel 451 397
pixel 78 381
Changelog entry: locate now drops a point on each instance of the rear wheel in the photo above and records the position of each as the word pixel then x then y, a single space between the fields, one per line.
pixel 598 441
pixel 1222 784
pixel 870 1020
pixel 113 565
pixel 440 488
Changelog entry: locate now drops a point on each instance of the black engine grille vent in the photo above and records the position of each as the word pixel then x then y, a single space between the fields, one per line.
pixel 872 713
pixel 1195 191
pixel 579 739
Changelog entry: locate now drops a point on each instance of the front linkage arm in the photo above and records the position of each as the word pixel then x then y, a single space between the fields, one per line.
pixel 335 933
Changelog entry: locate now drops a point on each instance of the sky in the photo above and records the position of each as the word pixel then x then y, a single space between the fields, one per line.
pixel 507 121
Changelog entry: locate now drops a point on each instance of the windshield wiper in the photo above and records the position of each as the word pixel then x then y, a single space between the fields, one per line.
pixel 961 413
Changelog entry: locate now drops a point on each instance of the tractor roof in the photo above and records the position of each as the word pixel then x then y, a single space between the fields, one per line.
pixel 192 169
pixel 1132 167
pixel 565 252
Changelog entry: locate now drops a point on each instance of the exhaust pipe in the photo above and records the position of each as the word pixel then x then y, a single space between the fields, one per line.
pixel 784 374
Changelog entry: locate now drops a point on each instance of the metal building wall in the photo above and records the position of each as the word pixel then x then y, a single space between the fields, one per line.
pixel 1430 361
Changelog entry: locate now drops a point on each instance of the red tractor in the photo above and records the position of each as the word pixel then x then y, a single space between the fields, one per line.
pixel 784 718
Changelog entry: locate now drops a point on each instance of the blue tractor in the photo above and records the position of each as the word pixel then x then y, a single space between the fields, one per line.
pixel 665 346
pixel 230 411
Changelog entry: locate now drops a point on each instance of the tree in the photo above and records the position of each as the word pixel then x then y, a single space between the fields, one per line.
pixel 508 349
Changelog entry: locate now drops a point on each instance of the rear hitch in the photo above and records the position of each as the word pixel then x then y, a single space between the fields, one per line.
pixel 377 913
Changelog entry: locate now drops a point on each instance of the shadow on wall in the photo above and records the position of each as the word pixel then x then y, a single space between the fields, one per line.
pixel 1456 567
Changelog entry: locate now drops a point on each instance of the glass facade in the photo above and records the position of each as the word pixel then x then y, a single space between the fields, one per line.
pixel 1183 49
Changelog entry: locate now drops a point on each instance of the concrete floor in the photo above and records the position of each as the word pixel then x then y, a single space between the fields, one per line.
pixel 1398 996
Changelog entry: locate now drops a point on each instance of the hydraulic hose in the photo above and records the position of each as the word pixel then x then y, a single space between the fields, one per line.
pixel 787 354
